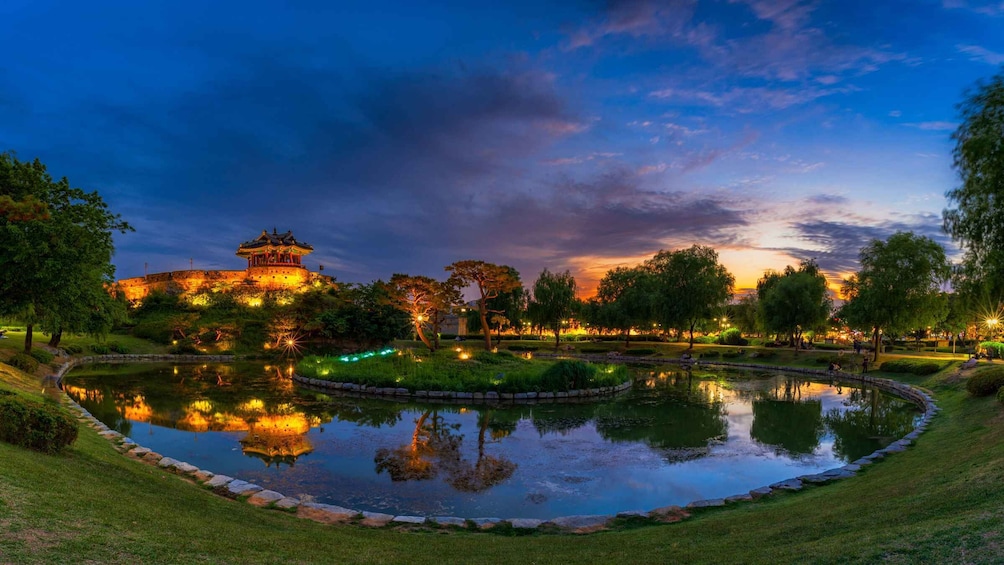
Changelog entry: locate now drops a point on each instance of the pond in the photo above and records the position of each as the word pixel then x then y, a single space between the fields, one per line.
pixel 674 438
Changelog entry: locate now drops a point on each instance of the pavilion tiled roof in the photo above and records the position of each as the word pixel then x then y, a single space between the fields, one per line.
pixel 275 239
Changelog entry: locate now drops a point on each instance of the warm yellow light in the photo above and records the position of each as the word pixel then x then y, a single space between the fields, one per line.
pixel 992 322
pixel 464 356
pixel 420 317
pixel 290 342
pixel 174 342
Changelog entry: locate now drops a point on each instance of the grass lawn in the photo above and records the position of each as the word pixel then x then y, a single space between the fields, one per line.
pixel 15 342
pixel 938 502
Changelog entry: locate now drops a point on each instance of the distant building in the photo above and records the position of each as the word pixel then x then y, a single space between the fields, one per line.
pixel 275 262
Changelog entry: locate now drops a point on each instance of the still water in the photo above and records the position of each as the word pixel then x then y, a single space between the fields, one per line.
pixel 674 438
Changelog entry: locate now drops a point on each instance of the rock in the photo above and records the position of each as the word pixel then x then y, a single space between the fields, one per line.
pixel 525 523
pixel 738 498
pixel 287 503
pixel 376 519
pixel 218 481
pixel 582 524
pixel 265 497
pixel 668 514
pixel 835 474
pixel 707 503
pixel 815 479
pixel 486 523
pixel 862 462
pixel 166 462
pixel 448 521
pixel 202 476
pixel 186 467
pixel 852 468
pixel 632 514
pixel 894 448
pixel 140 451
pixel 491 395
pixel 243 488
pixel 760 492
pixel 325 513
pixel 790 484
pixel 409 519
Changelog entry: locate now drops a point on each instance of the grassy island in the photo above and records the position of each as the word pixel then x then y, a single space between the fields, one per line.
pixel 460 370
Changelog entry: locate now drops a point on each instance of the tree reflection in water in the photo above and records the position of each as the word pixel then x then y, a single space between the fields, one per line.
pixel 435 449
pixel 786 421
pixel 871 421
pixel 672 411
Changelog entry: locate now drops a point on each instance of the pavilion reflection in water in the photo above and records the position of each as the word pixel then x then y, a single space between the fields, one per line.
pixel 276 434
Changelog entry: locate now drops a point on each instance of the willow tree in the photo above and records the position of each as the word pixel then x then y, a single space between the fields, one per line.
pixel 55 251
pixel 624 300
pixel 553 301
pixel 690 286
pixel 491 280
pixel 898 287
pixel 977 216
pixel 793 301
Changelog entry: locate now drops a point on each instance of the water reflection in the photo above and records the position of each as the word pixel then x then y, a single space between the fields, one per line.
pixel 789 417
pixel 672 411
pixel 677 436
pixel 205 398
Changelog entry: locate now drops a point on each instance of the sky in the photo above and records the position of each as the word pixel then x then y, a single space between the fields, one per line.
pixel 401 136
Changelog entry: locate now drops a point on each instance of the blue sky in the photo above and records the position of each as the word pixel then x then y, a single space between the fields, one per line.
pixel 403 136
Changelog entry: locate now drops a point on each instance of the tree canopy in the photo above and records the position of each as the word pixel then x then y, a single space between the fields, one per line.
pixel 55 252
pixel 977 218
pixel 793 301
pixel 898 287
pixel 624 300
pixel 553 301
pixel 690 286
pixel 491 280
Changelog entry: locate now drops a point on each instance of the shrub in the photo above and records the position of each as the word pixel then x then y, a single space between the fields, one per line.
pixel 44 427
pixel 99 349
pixel 74 349
pixel 592 350
pixel 156 331
pixel 42 356
pixel 731 354
pixel 1000 395
pixel 118 348
pixel 709 355
pixel 567 375
pixel 732 336
pixel 994 349
pixel 518 347
pixel 762 354
pixel 986 382
pixel 909 366
pixel 24 362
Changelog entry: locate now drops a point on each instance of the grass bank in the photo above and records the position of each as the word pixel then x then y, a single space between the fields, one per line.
pixel 938 502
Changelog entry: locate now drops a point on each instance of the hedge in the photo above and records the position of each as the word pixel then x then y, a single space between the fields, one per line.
pixel 42 356
pixel 26 363
pixel 44 427
pixel 919 368
pixel 987 382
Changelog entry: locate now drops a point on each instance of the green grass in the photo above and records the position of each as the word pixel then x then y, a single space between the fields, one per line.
pixel 465 370
pixel 938 502
pixel 136 345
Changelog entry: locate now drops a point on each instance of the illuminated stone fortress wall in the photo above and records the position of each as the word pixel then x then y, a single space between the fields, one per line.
pixel 275 262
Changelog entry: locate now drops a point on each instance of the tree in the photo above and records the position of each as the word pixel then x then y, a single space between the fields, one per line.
pixel 976 220
pixel 55 251
pixel 625 300
pixel 690 286
pixel 491 280
pixel 793 301
pixel 425 300
pixel 898 287
pixel 553 301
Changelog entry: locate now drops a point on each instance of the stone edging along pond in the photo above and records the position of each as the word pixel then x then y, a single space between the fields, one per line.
pixel 330 514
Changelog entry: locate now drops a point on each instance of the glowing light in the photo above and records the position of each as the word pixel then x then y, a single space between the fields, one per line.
pixel 465 356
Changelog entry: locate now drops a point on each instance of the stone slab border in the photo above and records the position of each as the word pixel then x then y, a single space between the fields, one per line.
pixel 331 514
